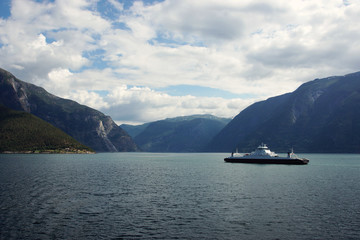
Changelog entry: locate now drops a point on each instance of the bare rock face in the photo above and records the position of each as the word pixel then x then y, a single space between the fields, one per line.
pixel 89 126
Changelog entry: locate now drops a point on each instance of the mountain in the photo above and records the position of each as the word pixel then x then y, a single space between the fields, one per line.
pixel 24 132
pixel 88 126
pixel 181 134
pixel 134 130
pixel 322 115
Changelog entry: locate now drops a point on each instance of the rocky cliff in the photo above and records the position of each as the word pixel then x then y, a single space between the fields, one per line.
pixel 89 126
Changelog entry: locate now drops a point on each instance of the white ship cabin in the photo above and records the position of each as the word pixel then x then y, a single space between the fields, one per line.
pixel 263 150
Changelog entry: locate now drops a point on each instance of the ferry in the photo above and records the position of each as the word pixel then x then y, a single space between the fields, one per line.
pixel 263 155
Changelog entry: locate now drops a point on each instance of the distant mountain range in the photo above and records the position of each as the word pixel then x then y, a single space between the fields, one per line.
pixel 88 126
pixel 180 134
pixel 23 132
pixel 322 115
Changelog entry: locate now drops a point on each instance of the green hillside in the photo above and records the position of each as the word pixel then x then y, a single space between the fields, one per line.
pixel 24 132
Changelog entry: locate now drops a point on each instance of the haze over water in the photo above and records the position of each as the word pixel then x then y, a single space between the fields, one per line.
pixel 177 196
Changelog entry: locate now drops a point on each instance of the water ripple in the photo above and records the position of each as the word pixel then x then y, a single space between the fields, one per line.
pixel 174 196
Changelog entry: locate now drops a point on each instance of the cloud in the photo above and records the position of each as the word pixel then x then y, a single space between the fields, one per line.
pixel 117 5
pixel 255 49
pixel 142 104
pixel 194 21
pixel 90 98
pixel 41 37
pixel 137 105
pixel 59 80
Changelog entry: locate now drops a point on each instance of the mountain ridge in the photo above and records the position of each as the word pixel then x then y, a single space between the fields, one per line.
pixel 87 125
pixel 179 134
pixel 322 115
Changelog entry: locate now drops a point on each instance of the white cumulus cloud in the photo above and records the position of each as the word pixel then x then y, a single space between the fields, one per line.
pixel 253 49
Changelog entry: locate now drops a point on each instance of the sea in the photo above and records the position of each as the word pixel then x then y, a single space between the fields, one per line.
pixel 177 196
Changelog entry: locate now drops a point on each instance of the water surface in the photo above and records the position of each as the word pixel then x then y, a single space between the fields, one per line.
pixel 177 196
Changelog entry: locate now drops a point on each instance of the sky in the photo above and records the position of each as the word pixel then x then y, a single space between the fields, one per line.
pixel 142 61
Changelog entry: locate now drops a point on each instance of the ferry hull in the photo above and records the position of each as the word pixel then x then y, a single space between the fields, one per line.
pixel 291 161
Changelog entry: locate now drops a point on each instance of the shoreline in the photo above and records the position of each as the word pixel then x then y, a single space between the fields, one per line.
pixel 49 152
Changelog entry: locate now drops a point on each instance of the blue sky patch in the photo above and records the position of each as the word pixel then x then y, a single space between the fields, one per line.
pixel 199 91
pixel 102 93
pixel 5 8
pixel 120 25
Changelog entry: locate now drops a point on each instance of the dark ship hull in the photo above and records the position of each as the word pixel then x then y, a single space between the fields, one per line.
pixel 273 160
